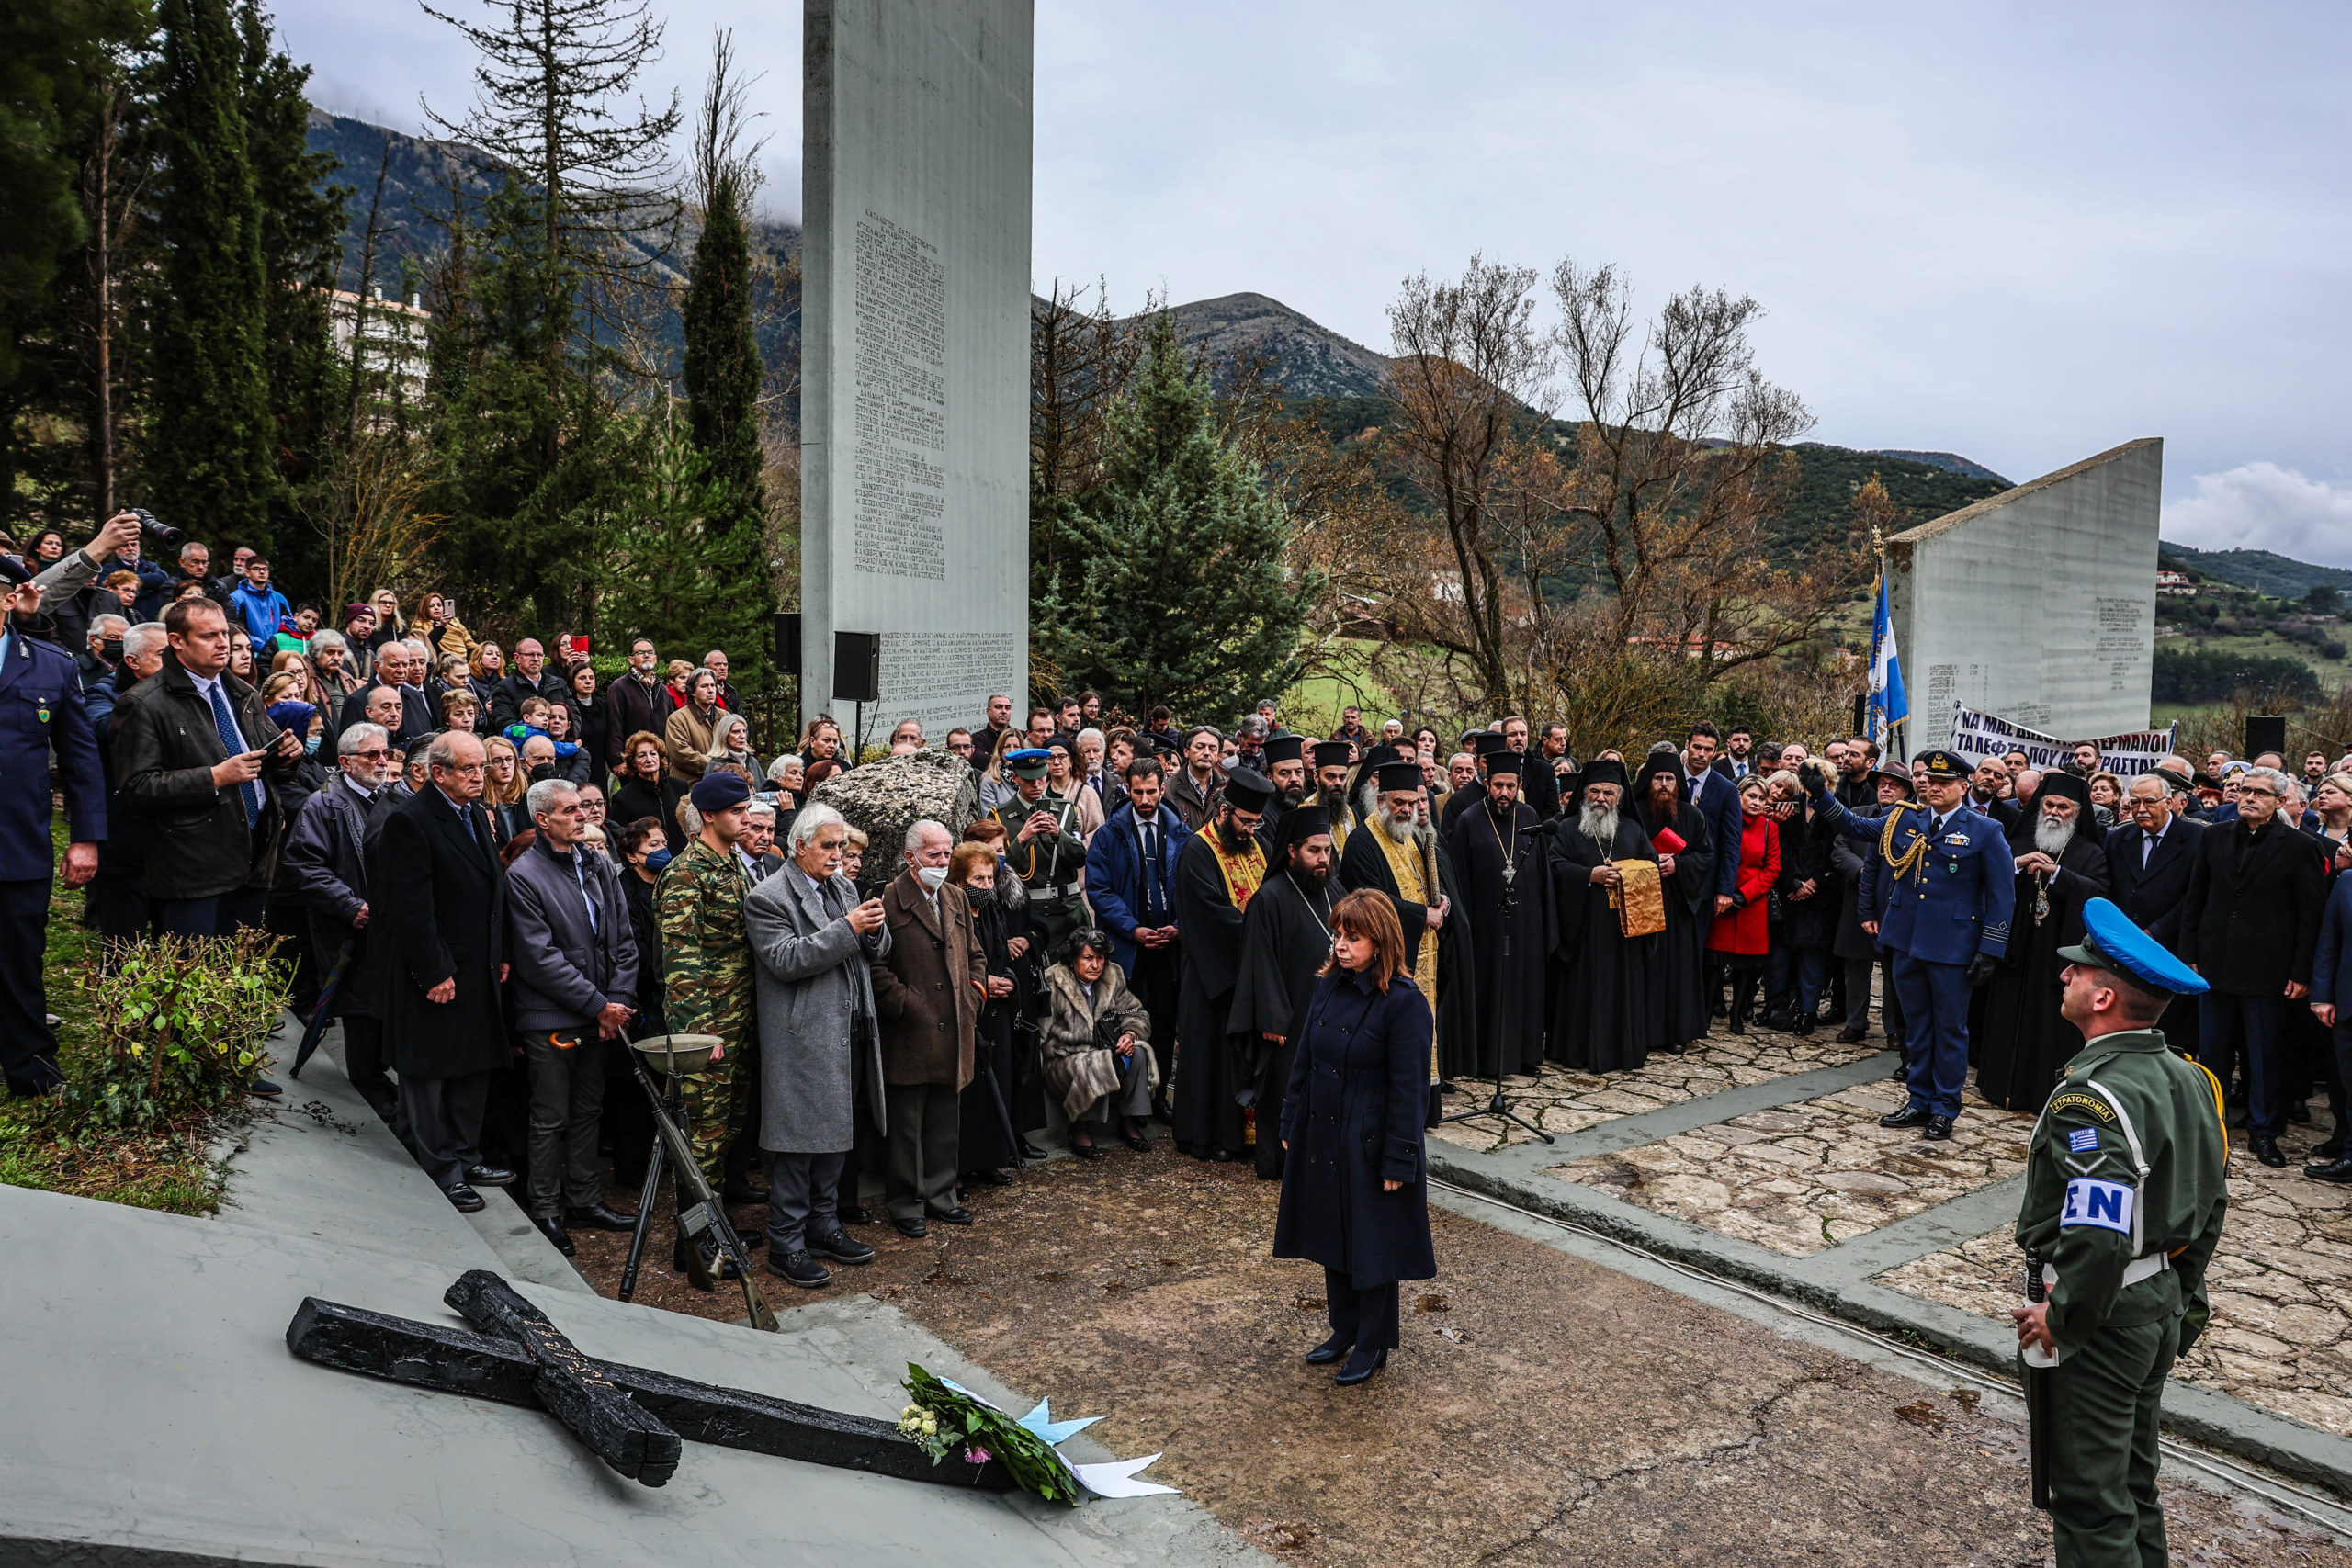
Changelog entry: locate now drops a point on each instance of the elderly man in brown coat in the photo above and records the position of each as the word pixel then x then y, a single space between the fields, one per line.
pixel 928 993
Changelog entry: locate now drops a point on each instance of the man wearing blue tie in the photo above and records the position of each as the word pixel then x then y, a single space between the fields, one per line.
pixel 1951 886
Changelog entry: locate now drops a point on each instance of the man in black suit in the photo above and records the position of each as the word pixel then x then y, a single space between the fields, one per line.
pixel 2250 925
pixel 441 897
pixel 1716 795
pixel 531 678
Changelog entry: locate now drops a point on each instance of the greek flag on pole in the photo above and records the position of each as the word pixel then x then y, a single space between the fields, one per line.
pixel 1889 706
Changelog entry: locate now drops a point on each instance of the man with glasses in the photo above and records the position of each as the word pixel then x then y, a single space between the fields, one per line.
pixel 325 862
pixel 634 703
pixel 2250 925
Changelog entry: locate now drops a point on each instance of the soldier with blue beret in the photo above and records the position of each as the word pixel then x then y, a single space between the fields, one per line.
pixel 40 712
pixel 2123 1205
pixel 1951 886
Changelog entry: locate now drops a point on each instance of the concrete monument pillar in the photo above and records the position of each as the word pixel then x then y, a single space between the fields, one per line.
pixel 2038 604
pixel 914 478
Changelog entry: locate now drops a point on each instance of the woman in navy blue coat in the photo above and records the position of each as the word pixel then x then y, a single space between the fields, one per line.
pixel 1355 1193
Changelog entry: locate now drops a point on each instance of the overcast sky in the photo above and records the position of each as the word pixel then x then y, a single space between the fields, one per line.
pixel 2024 233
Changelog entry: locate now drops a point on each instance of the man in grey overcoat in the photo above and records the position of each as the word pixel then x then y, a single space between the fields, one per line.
pixel 812 937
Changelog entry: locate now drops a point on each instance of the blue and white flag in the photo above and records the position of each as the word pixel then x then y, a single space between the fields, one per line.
pixel 1889 706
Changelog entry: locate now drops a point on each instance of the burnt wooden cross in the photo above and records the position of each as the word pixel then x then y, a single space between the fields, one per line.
pixel 632 1418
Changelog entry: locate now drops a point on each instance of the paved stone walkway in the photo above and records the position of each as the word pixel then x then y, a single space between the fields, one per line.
pixel 1561 1101
pixel 2280 1336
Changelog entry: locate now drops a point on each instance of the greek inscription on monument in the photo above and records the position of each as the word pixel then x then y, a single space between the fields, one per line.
pixel 929 676
pixel 902 474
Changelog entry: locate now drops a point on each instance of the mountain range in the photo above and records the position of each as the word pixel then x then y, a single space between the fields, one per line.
pixel 2262 570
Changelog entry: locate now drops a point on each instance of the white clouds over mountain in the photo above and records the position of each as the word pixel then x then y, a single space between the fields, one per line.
pixel 2261 506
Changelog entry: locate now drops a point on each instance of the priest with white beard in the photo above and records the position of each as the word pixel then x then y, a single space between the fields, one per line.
pixel 1606 1011
pixel 2062 865
pixel 1399 855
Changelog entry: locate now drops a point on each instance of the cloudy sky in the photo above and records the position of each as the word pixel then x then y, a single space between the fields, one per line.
pixel 2022 232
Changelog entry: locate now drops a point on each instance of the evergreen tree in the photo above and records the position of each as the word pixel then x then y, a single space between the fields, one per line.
pixel 301 249
pixel 212 454
pixel 722 354
pixel 1186 601
pixel 670 573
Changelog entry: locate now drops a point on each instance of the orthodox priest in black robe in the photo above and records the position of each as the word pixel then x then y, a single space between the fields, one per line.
pixel 1498 860
pixel 1686 866
pixel 1218 872
pixel 1285 936
pixel 2062 865
pixel 1332 763
pixel 1605 1015
pixel 1397 855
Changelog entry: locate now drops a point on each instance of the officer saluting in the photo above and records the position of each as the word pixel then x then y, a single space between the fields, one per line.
pixel 1946 923
pixel 41 710
pixel 2123 1203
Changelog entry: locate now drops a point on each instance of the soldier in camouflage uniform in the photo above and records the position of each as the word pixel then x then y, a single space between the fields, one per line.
pixel 707 972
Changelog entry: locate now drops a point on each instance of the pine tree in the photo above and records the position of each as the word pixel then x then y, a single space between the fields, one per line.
pixel 670 573
pixel 722 354
pixel 1186 601
pixel 211 456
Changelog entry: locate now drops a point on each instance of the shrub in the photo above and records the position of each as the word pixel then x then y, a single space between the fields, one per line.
pixel 180 1026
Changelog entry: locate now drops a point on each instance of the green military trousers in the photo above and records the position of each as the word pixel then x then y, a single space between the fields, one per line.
pixel 2105 1399
pixel 717 1104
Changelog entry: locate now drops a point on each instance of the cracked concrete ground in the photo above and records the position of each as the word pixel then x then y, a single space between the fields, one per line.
pixel 1544 1409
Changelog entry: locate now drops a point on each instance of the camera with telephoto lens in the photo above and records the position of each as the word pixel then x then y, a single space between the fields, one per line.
pixel 163 534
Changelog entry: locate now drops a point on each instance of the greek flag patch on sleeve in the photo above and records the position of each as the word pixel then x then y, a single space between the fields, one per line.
pixel 2082 1140
pixel 2104 1204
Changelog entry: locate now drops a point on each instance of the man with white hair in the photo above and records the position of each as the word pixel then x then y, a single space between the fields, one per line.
pixel 2250 925
pixel 1606 1015
pixel 1398 856
pixel 325 864
pixel 811 941
pixel 98 662
pixel 2062 865
pixel 757 846
pixel 928 993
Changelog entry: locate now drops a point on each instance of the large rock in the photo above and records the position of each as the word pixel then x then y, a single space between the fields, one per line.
pixel 884 799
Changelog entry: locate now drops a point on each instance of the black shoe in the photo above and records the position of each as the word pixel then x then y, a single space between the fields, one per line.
pixel 1902 1074
pixel 914 1228
pixel 842 1247
pixel 1738 1026
pixel 1031 1151
pixel 1223 1157
pixel 2338 1170
pixel 1135 1140
pixel 1715 1009
pixel 857 1214
pixel 738 1192
pixel 2267 1151
pixel 1830 1016
pixel 1330 1350
pixel 48 1082
pixel 599 1217
pixel 464 1199
pixel 1909 1116
pixel 800 1269
pixel 1360 1365
pixel 557 1238
pixel 2300 1114
pixel 1085 1151
pixel 2331 1150
pixel 1802 1025
pixel 958 1215
pixel 1853 1034
pixel 488 1175
pixel 1938 1128
pixel 264 1087
pixel 992 1177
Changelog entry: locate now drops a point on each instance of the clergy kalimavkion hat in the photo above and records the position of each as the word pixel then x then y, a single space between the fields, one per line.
pixel 1303 822
pixel 1486 742
pixel 1503 763
pixel 1285 749
pixel 1332 754
pixel 2111 941
pixel 1602 771
pixel 716 792
pixel 1400 776
pixel 2064 786
pixel 1247 790
pixel 1383 754
pixel 1029 762
pixel 1942 764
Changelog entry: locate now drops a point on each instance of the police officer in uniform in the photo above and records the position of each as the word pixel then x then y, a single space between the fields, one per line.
pixel 40 711
pixel 2124 1202
pixel 1044 848
pixel 1952 882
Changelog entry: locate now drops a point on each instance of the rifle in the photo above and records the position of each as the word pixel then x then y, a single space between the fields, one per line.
pixel 2038 1437
pixel 700 1212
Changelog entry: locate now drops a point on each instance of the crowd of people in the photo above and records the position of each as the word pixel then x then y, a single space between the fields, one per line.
pixel 496 873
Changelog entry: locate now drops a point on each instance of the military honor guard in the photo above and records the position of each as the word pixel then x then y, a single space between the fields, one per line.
pixel 1952 885
pixel 1044 848
pixel 2123 1205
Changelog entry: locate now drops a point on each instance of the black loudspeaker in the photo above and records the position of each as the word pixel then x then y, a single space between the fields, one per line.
pixel 788 642
pixel 2265 733
pixel 1861 713
pixel 857 667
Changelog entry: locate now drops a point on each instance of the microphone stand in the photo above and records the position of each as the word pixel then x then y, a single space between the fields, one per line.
pixel 1499 1104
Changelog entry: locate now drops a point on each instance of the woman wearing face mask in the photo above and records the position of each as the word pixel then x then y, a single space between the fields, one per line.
pixel 983 1146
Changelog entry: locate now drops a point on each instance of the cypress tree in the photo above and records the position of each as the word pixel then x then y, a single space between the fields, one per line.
pixel 722 356
pixel 212 454
pixel 1186 601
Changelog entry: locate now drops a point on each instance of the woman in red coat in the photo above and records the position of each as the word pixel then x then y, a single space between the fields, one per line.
pixel 1739 940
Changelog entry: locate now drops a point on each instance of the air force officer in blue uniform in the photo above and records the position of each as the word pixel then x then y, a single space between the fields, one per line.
pixel 40 711
pixel 1952 886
